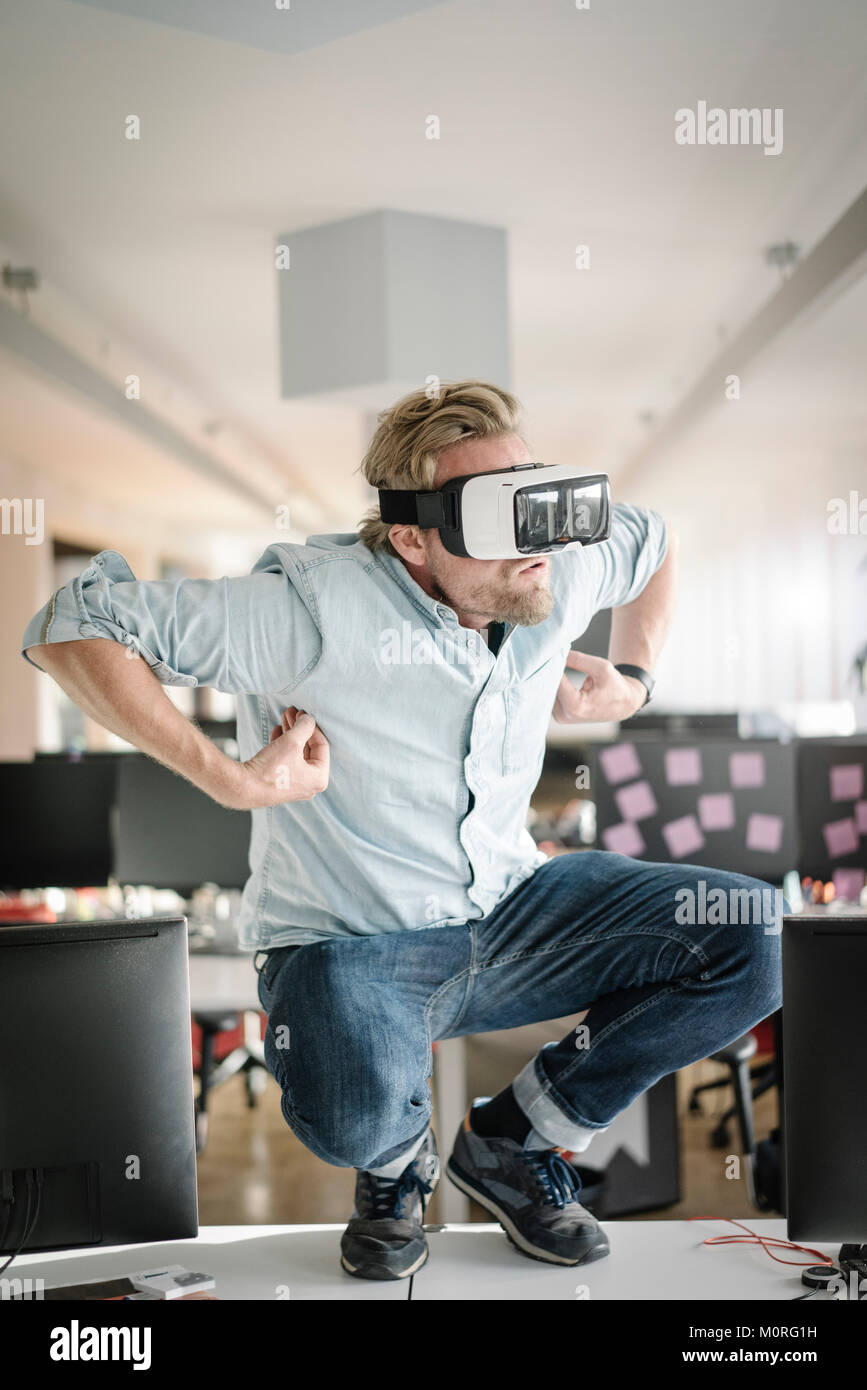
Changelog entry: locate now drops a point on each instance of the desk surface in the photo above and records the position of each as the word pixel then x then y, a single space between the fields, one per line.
pixel 220 981
pixel 657 1260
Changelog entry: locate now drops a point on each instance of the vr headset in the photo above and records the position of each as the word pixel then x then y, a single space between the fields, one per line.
pixel 504 515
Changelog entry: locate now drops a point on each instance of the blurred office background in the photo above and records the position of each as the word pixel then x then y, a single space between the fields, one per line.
pixel 230 236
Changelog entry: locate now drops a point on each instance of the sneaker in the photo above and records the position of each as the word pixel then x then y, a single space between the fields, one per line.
pixel 533 1193
pixel 385 1237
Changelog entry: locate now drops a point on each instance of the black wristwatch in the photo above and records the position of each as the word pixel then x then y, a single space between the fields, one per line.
pixel 640 675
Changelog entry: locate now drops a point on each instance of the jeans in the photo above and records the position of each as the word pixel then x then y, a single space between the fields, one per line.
pixel 351 1021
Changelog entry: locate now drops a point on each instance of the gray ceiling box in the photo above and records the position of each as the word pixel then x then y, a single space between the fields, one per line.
pixel 378 304
pixel 291 28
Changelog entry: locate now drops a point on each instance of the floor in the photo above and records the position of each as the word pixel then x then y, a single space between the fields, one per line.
pixel 255 1171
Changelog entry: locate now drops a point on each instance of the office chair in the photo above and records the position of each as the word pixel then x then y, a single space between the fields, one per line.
pixel 747 1084
pixel 248 1056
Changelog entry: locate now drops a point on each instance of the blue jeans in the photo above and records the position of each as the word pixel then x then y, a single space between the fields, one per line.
pixel 351 1021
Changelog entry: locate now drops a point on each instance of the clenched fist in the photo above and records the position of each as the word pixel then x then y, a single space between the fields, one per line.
pixel 293 766
pixel 606 693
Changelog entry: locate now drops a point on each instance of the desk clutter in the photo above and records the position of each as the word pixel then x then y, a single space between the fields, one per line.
pixel 164 1282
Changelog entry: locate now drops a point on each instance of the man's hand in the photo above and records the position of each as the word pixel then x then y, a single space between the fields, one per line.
pixel 293 766
pixel 606 694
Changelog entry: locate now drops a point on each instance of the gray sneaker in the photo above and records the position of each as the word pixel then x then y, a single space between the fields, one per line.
pixel 533 1193
pixel 385 1238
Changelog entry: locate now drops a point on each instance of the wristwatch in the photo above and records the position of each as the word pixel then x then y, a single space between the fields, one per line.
pixel 640 675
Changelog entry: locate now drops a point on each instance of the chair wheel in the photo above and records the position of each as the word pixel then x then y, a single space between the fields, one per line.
pixel 255 1082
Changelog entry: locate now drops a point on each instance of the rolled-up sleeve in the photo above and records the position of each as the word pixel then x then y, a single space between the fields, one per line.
pixel 634 551
pixel 250 635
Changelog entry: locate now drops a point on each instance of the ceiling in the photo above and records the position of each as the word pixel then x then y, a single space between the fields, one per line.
pixel 556 124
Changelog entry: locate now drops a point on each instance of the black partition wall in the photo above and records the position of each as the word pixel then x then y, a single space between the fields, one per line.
pixel 724 803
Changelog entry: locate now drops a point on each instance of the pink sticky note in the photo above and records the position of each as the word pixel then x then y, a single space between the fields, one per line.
pixel 716 811
pixel 636 802
pixel 619 762
pixel 861 817
pixel 848 884
pixel 747 769
pixel 682 767
pixel 840 837
pixel 623 839
pixel 682 836
pixel 764 832
pixel 847 782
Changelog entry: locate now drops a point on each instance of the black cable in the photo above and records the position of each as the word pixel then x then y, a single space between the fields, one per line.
pixel 7 1223
pixel 17 1252
pixel 29 1225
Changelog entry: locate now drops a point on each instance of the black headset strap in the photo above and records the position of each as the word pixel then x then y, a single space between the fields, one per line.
pixel 403 507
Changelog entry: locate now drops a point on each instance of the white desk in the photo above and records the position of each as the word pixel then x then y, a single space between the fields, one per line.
pixel 222 982
pixel 656 1260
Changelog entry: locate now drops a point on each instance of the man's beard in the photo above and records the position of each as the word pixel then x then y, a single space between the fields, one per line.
pixel 499 603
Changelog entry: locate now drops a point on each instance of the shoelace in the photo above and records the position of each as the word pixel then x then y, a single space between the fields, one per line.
pixel 388 1194
pixel 558 1179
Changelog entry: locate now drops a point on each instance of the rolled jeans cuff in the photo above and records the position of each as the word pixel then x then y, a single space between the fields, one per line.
pixel 546 1117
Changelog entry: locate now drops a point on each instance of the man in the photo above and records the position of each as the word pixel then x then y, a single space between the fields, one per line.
pixel 395 895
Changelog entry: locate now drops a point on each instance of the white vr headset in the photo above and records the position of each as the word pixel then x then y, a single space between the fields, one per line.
pixel 503 515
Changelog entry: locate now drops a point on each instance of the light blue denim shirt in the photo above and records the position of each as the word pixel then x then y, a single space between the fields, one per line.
pixel 436 744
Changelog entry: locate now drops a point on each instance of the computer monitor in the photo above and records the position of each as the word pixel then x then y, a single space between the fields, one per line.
pixel 171 835
pixel 723 803
pixel 57 827
pixel 832 795
pixel 596 637
pixel 677 722
pixel 96 1085
pixel 824 1070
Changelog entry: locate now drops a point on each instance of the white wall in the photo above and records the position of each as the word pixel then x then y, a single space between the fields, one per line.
pixel 772 607
pixel 27 581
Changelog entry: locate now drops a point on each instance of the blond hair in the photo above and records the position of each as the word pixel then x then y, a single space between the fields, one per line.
pixel 411 435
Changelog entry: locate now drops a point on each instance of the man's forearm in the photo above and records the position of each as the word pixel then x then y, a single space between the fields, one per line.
pixel 123 695
pixel 639 628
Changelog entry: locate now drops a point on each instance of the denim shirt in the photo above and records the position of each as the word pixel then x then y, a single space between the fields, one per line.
pixel 436 743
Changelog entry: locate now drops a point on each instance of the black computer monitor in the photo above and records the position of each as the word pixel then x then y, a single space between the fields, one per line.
pixel 171 835
pixel 57 823
pixel 678 722
pixel 723 803
pixel 832 796
pixel 824 1070
pixel 96 1085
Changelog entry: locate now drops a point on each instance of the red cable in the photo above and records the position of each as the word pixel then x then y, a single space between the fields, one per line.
pixel 753 1238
